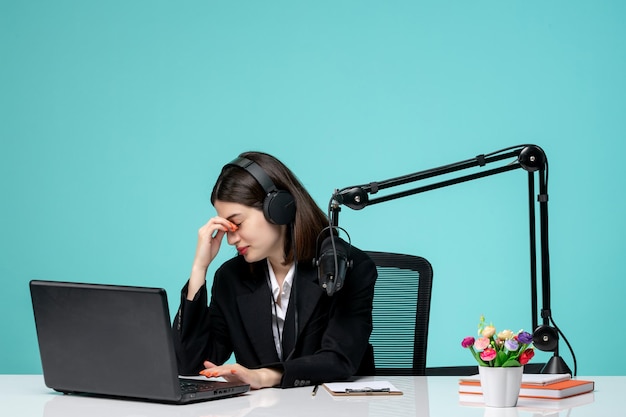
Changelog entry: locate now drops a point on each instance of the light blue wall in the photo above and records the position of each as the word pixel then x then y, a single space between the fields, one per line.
pixel 116 117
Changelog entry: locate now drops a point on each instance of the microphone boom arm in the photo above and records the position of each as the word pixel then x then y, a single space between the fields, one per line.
pixel 528 157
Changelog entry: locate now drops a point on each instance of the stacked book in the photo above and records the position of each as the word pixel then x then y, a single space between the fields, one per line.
pixel 537 389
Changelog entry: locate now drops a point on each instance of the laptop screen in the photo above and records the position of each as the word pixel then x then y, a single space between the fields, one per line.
pixel 106 339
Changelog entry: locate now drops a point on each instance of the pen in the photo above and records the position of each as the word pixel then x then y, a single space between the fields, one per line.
pixel 366 390
pixel 314 390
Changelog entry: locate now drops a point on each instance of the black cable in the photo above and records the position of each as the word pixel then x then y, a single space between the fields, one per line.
pixel 569 346
pixel 546 169
pixel 275 316
pixel 332 237
pixel 294 296
pixel 567 343
pixel 550 316
pixel 506 149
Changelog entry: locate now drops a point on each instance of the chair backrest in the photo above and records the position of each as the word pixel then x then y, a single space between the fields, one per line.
pixel 401 313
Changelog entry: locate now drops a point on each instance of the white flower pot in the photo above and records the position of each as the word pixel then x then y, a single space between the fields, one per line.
pixel 500 386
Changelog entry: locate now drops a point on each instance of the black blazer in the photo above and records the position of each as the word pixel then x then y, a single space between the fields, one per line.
pixel 333 340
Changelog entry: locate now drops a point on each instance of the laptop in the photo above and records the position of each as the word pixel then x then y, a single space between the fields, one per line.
pixel 113 341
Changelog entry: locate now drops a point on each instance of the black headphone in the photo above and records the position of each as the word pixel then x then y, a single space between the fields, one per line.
pixel 279 206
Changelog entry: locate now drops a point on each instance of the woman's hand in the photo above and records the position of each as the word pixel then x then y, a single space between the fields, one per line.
pixel 209 240
pixel 256 378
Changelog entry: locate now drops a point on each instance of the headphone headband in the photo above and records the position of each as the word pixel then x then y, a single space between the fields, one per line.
pixel 256 171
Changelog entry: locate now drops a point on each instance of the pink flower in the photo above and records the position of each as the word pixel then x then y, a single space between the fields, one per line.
pixel 499 349
pixel 467 342
pixel 488 354
pixel 482 343
pixel 526 356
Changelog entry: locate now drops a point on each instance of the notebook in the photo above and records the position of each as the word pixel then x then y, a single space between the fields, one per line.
pixel 113 341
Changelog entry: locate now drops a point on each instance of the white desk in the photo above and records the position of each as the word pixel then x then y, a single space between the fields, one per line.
pixel 27 396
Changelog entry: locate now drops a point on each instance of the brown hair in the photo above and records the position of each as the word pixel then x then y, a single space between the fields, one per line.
pixel 236 185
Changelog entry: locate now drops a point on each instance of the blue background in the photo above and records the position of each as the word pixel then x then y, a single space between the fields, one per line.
pixel 117 116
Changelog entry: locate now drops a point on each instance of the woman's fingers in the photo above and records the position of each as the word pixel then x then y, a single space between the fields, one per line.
pixel 210 238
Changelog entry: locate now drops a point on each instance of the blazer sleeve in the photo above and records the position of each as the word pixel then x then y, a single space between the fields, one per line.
pixel 199 333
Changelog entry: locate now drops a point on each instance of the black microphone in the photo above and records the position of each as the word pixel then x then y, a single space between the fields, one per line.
pixel 333 264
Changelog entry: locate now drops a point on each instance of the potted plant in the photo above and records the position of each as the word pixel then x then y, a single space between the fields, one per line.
pixel 501 357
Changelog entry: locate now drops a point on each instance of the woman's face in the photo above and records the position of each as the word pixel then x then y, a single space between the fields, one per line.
pixel 255 237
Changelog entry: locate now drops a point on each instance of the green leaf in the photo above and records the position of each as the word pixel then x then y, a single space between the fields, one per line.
pixel 511 363
pixel 501 358
pixel 477 357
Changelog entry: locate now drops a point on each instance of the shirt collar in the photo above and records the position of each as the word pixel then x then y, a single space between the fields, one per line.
pixel 287 283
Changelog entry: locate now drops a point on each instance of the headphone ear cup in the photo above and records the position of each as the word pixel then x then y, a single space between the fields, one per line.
pixel 546 338
pixel 279 207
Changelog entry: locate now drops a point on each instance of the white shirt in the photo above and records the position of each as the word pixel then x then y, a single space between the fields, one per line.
pixel 281 303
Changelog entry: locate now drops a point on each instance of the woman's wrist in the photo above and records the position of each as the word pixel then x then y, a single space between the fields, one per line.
pixel 196 281
pixel 269 377
pixel 199 268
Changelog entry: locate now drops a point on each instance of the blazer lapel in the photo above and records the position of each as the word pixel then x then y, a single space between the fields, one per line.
pixel 308 293
pixel 255 310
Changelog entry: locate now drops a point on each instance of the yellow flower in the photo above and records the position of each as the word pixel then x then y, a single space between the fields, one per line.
pixel 505 335
pixel 488 331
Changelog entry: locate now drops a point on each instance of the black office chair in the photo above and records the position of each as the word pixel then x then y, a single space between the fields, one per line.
pixel 401 313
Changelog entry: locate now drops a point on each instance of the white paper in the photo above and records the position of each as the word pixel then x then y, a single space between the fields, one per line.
pixel 340 387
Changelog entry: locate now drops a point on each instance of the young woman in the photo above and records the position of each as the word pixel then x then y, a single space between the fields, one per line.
pixel 266 305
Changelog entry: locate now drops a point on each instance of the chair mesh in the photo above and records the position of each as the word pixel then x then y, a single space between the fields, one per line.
pixel 401 313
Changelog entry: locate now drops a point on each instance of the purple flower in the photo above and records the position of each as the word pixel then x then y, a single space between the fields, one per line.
pixel 525 338
pixel 467 342
pixel 511 345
